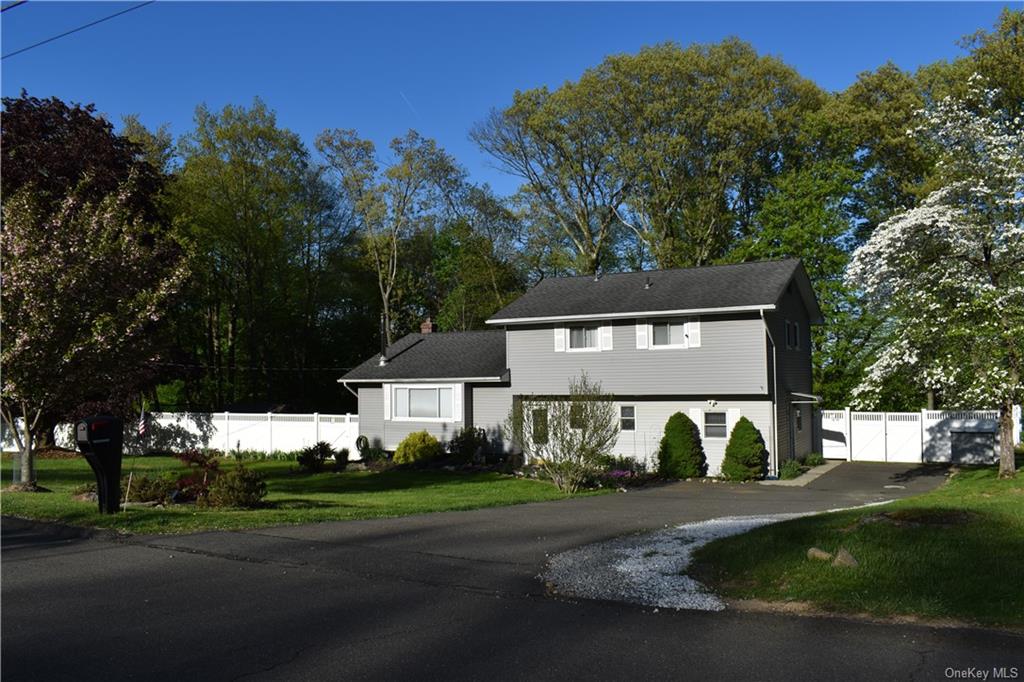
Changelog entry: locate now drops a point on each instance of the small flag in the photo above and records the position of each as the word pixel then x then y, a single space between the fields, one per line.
pixel 142 423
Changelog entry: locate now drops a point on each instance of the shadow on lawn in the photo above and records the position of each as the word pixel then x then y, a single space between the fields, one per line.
pixel 305 484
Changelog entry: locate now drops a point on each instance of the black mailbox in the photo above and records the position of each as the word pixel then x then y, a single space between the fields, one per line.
pixel 101 440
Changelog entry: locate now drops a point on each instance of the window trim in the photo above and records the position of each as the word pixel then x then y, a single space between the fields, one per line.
pixel 622 419
pixel 724 424
pixel 433 420
pixel 596 348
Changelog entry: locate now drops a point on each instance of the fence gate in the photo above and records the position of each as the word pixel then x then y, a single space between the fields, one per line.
pixel 903 437
pixel 867 436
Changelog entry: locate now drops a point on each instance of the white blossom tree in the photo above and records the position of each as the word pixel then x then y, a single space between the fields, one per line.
pixel 949 273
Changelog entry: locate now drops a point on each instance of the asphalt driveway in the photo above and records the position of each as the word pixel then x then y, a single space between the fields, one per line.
pixel 449 595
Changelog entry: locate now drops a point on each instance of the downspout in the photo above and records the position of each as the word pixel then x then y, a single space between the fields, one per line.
pixel 775 394
pixel 349 388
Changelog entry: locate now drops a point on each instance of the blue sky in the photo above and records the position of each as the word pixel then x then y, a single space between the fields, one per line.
pixel 439 68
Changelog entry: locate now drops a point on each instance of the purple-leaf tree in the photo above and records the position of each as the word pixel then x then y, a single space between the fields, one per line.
pixel 86 284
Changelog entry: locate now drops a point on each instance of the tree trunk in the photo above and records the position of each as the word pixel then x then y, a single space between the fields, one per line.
pixel 28 473
pixel 931 399
pixel 1007 468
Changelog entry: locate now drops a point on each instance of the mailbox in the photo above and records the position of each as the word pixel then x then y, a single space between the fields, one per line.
pixel 101 440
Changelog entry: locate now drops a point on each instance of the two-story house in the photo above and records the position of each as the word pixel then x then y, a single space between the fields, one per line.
pixel 716 343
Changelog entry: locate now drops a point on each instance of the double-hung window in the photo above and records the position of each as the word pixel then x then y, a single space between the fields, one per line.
pixel 627 418
pixel 423 403
pixel 583 338
pixel 714 425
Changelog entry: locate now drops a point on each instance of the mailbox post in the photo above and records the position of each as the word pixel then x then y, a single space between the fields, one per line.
pixel 101 440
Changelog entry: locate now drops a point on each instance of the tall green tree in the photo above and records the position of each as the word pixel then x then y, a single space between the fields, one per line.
pixel 416 190
pixel 268 232
pixel 699 137
pixel 559 144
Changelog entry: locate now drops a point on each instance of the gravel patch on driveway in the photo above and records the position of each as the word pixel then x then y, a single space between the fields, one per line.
pixel 649 569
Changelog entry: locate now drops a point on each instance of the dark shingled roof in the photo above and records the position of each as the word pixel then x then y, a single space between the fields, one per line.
pixel 717 286
pixel 440 355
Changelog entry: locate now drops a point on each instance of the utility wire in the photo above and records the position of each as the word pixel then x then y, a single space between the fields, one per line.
pixel 18 3
pixel 75 30
pixel 244 368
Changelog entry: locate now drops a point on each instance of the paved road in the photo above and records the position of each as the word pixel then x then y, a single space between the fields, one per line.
pixel 436 596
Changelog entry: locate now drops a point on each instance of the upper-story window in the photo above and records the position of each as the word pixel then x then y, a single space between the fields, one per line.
pixel 583 338
pixel 674 333
pixel 668 334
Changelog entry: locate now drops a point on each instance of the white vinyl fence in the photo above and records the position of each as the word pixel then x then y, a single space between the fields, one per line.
pixel 968 437
pixel 264 432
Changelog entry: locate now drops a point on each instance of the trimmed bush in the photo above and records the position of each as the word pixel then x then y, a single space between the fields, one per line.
pixel 238 487
pixel 341 459
pixel 815 459
pixel 466 443
pixel 149 489
pixel 312 458
pixel 790 469
pixel 418 448
pixel 746 458
pixel 681 454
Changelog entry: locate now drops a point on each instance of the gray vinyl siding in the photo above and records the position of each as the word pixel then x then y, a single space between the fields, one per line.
pixel 371 415
pixel 730 361
pixel 651 415
pixel 388 434
pixel 794 375
pixel 490 406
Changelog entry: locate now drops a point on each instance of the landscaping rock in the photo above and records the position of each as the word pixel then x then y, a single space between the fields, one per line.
pixel 844 559
pixel 85 497
pixel 819 554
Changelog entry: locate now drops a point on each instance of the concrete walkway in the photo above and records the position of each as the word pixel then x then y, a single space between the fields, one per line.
pixel 449 595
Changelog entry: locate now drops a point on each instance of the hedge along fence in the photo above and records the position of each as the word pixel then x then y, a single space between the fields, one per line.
pixel 263 432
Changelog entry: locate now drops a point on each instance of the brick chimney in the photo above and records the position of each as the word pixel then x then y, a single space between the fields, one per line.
pixel 428 327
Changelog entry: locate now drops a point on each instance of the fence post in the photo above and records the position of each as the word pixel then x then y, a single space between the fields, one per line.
pixel 270 433
pixel 227 432
pixel 885 436
pixel 924 432
pixel 316 427
pixel 848 422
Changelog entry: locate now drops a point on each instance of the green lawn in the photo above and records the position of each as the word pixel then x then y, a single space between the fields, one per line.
pixel 292 497
pixel 953 553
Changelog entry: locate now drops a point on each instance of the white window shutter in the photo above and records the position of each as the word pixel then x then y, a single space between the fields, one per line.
pixel 457 403
pixel 559 338
pixel 693 333
pixel 641 334
pixel 606 337
pixel 697 415
pixel 387 400
pixel 731 417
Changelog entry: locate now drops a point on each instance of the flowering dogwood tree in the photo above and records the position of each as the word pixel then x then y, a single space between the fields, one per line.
pixel 949 273
pixel 85 284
